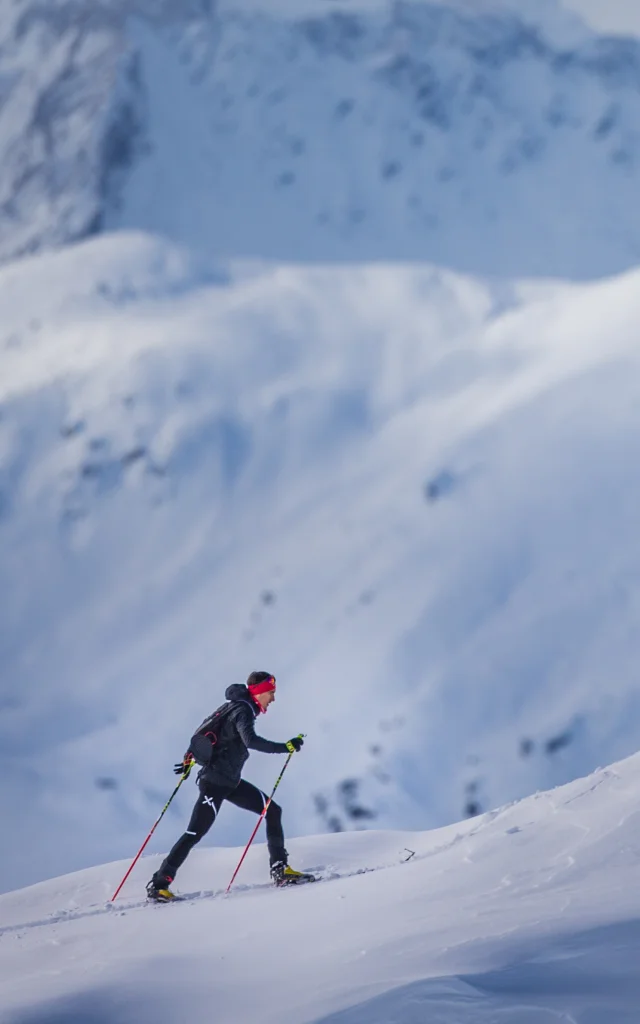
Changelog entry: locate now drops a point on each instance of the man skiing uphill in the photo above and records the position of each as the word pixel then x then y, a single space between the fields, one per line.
pixel 221 745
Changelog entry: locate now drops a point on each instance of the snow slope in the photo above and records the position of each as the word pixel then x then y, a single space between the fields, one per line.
pixel 406 492
pixel 492 138
pixel 528 915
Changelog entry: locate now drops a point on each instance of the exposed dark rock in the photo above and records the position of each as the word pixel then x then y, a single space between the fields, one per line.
pixel 285 179
pixel 337 33
pixel 439 486
pixel 343 109
pixel 348 791
pixel 135 455
pixel 106 782
pixel 124 139
pixel 606 124
pixel 72 429
pixel 556 743
pixel 391 169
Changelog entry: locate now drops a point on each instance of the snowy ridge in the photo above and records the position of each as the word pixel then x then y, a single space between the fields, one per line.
pixel 529 913
pixel 455 134
pixel 461 630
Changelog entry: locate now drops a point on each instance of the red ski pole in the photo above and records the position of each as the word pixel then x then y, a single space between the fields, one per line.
pixel 266 808
pixel 156 823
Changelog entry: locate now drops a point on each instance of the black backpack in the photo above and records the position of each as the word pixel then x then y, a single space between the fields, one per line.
pixel 205 740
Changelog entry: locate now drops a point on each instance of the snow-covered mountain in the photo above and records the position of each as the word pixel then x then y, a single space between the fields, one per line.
pixel 405 492
pixel 529 915
pixel 481 136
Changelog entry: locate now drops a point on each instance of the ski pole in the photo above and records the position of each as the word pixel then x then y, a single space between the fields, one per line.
pixel 266 808
pixel 157 822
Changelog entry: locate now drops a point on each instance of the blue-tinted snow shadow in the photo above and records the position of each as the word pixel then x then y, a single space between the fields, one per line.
pixel 162 990
pixel 97 1006
pixel 590 978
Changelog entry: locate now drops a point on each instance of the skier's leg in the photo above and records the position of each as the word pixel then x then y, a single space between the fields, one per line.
pixel 250 798
pixel 202 818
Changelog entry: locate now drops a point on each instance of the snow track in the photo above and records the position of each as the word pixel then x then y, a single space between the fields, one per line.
pixel 122 907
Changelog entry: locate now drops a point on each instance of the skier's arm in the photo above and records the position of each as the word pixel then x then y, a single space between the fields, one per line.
pixel 244 724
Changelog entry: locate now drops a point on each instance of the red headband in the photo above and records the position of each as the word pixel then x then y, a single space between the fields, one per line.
pixel 265 687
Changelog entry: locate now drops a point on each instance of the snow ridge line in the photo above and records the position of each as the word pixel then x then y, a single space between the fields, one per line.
pixel 324 873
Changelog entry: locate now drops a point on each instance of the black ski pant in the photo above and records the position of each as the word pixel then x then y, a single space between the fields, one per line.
pixel 244 795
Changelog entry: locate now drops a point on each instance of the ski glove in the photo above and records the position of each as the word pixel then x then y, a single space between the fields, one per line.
pixel 293 746
pixel 184 767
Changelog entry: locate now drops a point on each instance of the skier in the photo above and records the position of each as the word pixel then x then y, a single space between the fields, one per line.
pixel 221 745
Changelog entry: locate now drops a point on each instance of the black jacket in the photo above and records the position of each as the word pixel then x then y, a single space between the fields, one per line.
pixel 233 726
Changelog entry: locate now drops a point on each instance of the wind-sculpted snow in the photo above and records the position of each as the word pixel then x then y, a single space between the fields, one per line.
pixel 478 139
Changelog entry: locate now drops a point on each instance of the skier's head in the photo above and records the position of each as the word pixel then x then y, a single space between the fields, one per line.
pixel 262 687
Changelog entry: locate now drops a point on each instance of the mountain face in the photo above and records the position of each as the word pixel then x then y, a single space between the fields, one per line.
pixel 470 138
pixel 407 493
pixel 73 113
pixel 403 489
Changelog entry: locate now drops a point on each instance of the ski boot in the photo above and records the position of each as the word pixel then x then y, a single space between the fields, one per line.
pixel 282 874
pixel 158 889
